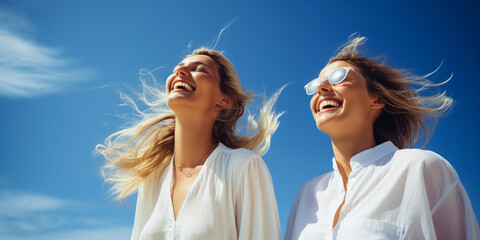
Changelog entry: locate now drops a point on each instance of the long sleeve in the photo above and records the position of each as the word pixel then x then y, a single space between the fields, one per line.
pixel 453 217
pixel 256 207
pixel 139 218
pixel 452 212
pixel 146 199
pixel 291 220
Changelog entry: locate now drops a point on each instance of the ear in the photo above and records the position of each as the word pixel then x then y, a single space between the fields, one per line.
pixel 376 103
pixel 224 102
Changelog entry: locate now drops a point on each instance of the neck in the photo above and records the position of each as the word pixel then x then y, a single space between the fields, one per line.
pixel 193 139
pixel 347 147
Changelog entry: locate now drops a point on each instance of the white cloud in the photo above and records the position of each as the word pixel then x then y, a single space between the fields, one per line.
pixel 25 215
pixel 106 233
pixel 27 68
pixel 19 203
pixel 30 212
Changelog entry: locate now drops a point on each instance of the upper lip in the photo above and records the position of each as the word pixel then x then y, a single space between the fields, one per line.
pixel 182 80
pixel 340 102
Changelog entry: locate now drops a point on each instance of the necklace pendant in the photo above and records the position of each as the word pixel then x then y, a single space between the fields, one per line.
pixel 189 175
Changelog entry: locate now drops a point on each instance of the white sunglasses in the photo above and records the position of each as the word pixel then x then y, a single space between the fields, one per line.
pixel 336 77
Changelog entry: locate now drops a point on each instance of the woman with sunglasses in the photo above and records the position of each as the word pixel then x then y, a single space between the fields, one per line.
pixel 378 188
pixel 196 177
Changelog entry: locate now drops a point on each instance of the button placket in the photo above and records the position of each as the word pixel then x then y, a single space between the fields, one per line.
pixel 173 227
pixel 350 188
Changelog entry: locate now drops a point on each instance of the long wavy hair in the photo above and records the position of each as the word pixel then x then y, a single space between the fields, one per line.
pixel 402 117
pixel 147 146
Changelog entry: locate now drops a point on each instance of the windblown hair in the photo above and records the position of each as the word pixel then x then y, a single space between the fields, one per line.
pixel 402 117
pixel 134 153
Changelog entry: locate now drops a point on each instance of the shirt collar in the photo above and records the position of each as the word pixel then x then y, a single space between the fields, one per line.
pixel 369 156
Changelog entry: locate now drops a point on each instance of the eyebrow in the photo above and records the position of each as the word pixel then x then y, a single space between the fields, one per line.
pixel 194 63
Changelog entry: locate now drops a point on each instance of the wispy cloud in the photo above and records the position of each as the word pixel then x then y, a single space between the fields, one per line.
pixel 25 215
pixel 105 233
pixel 28 68
pixel 19 203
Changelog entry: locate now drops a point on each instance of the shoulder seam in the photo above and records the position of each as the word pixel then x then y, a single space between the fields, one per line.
pixel 444 195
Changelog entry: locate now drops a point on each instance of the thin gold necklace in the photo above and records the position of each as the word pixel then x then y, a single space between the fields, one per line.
pixel 189 173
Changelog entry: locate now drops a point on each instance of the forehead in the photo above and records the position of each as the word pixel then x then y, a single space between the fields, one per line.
pixel 199 60
pixel 335 65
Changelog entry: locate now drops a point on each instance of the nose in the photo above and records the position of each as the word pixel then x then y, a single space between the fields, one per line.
pixel 181 71
pixel 324 86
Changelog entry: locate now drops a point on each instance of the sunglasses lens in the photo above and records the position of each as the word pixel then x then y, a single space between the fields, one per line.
pixel 311 87
pixel 338 75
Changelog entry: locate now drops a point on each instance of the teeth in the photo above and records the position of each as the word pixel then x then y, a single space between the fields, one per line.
pixel 332 103
pixel 184 85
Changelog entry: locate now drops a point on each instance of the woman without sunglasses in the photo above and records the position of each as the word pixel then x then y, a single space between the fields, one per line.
pixel 196 178
pixel 378 188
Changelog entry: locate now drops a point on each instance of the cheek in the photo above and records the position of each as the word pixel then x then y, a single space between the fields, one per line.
pixel 168 82
pixel 313 102
pixel 360 103
pixel 213 86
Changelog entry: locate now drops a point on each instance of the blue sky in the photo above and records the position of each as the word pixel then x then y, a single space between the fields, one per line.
pixel 63 63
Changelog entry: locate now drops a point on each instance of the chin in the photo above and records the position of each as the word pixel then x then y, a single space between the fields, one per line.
pixel 328 125
pixel 175 103
pixel 322 126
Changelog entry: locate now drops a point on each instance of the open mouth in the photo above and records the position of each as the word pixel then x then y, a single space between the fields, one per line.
pixel 180 85
pixel 330 104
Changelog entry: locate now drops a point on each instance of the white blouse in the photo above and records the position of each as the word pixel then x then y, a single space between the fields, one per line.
pixel 391 194
pixel 231 198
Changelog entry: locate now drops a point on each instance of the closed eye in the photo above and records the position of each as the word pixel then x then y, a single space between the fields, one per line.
pixel 193 67
pixel 200 68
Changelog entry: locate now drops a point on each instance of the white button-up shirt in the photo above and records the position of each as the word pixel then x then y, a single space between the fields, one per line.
pixel 391 194
pixel 231 198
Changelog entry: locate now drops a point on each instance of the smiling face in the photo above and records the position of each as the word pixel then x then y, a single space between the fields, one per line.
pixel 345 108
pixel 194 86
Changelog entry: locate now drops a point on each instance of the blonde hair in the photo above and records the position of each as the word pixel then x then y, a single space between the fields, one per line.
pixel 402 117
pixel 134 153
